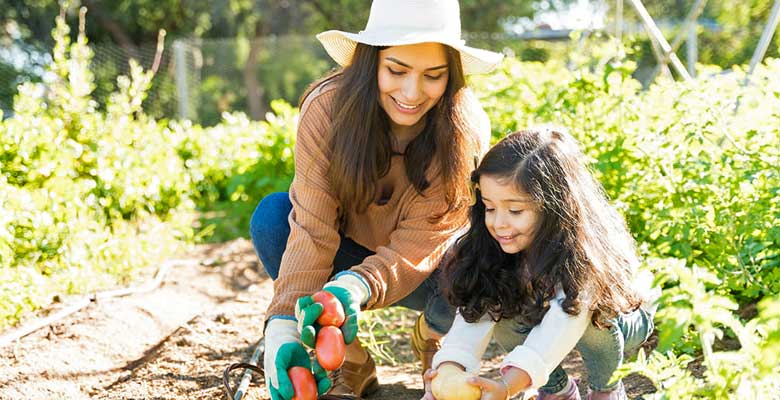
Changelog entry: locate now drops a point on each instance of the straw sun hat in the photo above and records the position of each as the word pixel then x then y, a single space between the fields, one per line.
pixel 400 22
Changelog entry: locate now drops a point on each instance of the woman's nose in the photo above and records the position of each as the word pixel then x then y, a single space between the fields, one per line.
pixel 411 89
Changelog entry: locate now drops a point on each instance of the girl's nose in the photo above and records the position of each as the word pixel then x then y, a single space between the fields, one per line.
pixel 500 221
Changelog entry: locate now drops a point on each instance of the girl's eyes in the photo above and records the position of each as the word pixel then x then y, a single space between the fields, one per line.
pixel 430 77
pixel 513 212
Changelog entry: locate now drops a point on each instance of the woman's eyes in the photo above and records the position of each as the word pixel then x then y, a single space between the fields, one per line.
pixel 394 72
pixel 431 77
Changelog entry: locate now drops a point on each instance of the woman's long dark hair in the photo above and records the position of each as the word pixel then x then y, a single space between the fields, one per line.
pixel 361 141
pixel 581 243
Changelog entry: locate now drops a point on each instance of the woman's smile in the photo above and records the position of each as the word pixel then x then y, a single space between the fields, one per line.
pixel 407 108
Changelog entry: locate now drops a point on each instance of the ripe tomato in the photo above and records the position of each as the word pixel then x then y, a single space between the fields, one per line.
pixel 330 348
pixel 303 383
pixel 332 311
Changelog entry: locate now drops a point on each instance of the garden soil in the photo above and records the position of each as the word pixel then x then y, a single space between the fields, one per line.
pixel 175 341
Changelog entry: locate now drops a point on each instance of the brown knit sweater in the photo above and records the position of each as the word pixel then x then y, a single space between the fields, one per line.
pixel 408 246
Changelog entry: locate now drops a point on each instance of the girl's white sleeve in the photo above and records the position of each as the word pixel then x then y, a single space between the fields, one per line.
pixel 465 343
pixel 549 342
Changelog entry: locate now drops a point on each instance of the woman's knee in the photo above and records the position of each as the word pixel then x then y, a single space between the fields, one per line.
pixel 269 230
pixel 272 210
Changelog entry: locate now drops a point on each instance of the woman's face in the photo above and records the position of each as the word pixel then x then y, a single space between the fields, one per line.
pixel 511 217
pixel 412 79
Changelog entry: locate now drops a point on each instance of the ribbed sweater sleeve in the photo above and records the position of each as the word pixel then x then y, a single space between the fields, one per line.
pixel 415 249
pixel 308 259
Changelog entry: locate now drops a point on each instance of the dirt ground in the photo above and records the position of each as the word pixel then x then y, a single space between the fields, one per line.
pixel 175 342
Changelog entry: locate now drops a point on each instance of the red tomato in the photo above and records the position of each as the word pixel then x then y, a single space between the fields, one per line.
pixel 303 383
pixel 330 348
pixel 332 311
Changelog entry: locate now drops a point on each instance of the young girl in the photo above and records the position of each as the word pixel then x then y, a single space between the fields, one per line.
pixel 546 266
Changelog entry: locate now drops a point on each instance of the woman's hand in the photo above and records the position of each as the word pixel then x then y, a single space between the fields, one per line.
pixel 308 310
pixel 351 291
pixel 427 378
pixel 283 351
pixel 491 389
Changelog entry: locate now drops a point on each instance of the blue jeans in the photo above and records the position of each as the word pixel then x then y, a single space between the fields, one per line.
pixel 602 350
pixel 270 228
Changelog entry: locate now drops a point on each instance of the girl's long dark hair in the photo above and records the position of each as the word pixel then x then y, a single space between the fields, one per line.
pixel 361 141
pixel 582 242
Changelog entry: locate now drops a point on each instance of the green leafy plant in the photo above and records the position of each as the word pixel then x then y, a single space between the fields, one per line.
pixel 693 168
pixel 746 369
pixel 91 198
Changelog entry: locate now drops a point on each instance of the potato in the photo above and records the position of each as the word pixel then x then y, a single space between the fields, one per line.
pixel 450 384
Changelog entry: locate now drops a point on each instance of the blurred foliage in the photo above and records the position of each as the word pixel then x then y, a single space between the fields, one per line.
pixel 256 68
pixel 91 198
pixel 696 178
pixel 734 30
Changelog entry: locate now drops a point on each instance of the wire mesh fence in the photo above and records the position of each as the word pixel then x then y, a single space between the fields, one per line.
pixel 199 79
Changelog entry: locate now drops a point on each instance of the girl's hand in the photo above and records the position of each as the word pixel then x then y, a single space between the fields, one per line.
pixel 427 378
pixel 491 389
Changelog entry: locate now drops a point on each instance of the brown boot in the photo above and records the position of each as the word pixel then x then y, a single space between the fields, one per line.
pixel 354 380
pixel 423 349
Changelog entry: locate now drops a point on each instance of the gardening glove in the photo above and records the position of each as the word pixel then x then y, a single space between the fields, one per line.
pixel 283 351
pixel 351 290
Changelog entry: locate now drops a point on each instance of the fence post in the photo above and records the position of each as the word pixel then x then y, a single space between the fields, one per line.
pixel 692 49
pixel 182 88
pixel 766 37
pixel 657 37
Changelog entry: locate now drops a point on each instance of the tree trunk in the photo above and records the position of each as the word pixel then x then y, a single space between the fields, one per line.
pixel 254 92
pixel 107 23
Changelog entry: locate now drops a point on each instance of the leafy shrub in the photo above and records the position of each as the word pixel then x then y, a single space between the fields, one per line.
pixel 89 198
pixel 695 179
pixel 693 168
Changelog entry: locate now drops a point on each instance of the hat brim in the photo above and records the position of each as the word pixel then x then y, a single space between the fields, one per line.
pixel 341 46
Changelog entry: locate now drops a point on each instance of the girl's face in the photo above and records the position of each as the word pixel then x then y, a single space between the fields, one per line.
pixel 511 217
pixel 411 80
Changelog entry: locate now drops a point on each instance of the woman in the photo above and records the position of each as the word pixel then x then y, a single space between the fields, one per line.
pixel 384 150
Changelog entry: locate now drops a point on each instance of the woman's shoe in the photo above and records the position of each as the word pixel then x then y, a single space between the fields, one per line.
pixel 423 349
pixel 353 381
